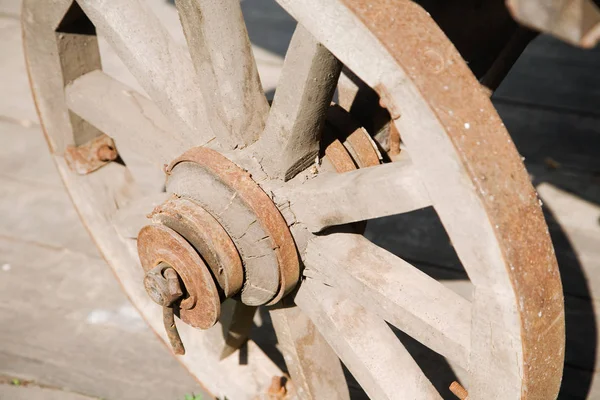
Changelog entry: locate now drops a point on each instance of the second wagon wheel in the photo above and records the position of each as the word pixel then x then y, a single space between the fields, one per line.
pixel 249 195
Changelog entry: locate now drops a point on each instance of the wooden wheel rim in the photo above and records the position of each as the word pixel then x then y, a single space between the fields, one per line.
pixel 422 80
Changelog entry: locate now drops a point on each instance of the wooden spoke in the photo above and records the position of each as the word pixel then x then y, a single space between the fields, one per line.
pixel 377 359
pixel 131 119
pixel 314 367
pixel 161 67
pixel 221 53
pixel 232 332
pixel 334 199
pixel 290 141
pixel 395 291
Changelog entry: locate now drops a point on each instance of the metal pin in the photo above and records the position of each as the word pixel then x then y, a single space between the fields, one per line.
pixel 163 287
pixel 459 391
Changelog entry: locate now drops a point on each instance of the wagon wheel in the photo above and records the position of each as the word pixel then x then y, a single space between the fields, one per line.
pixel 239 212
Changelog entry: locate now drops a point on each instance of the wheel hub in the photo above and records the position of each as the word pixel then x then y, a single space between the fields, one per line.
pixel 248 215
pixel 223 235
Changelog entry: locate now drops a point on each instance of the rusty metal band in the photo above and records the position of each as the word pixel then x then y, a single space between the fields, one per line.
pixel 339 157
pixel 363 147
pixel 207 236
pixel 355 136
pixel 261 205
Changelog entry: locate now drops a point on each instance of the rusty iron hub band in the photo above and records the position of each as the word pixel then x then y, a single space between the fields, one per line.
pixel 189 241
pixel 356 140
pixel 265 213
pixel 208 237
pixel 183 237
pixel 351 147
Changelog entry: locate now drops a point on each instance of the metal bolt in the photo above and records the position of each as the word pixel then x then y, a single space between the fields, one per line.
pixel 163 287
pixel 277 390
pixel 107 153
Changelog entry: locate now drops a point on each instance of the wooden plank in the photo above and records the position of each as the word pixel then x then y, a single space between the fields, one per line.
pixel 374 359
pixel 532 84
pixel 47 208
pixel 367 193
pixel 28 391
pixel 542 134
pixel 315 369
pixel 575 21
pixel 557 53
pixel 161 67
pixel 306 86
pixel 220 49
pixel 396 291
pixel 63 337
pixel 131 119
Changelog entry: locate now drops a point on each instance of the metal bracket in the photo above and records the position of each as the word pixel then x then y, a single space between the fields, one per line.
pixel 92 155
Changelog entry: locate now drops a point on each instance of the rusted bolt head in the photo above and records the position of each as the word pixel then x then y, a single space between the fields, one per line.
pixel 200 306
pixel 107 153
pixel 162 285
pixel 277 390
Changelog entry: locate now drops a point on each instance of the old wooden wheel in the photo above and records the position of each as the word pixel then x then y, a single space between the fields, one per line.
pixel 250 190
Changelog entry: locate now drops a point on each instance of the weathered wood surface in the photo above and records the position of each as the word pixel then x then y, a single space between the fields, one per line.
pixel 159 64
pixel 314 367
pixel 370 358
pixel 367 193
pixel 29 392
pixel 576 177
pixel 131 119
pixel 220 49
pixel 389 287
pixel 575 21
pixel 293 130
pixel 75 328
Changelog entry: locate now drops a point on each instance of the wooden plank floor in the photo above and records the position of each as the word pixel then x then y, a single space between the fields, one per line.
pixel 64 323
